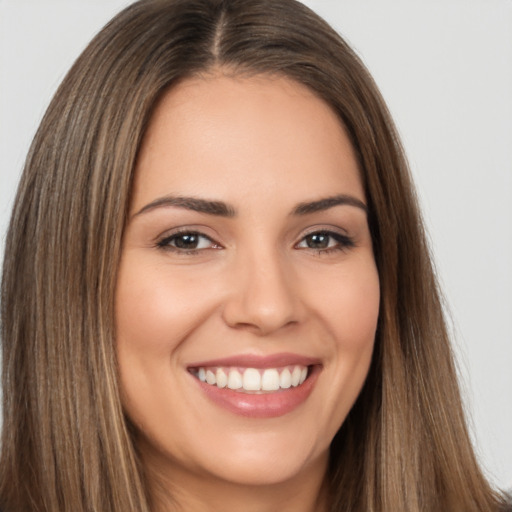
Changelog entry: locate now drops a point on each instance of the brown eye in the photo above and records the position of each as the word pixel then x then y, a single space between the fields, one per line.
pixel 325 241
pixel 318 240
pixel 187 241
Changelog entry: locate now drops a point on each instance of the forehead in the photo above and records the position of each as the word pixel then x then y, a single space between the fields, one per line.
pixel 219 134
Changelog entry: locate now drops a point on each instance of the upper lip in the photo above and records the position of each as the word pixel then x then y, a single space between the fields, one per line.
pixel 258 361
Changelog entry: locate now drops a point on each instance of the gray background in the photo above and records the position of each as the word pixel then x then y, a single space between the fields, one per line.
pixel 445 69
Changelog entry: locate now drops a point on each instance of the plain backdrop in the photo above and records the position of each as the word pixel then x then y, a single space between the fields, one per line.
pixel 445 69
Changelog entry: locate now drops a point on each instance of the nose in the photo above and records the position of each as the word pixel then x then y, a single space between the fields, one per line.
pixel 262 296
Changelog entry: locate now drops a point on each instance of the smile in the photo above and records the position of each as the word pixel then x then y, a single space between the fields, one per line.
pixel 257 386
pixel 253 380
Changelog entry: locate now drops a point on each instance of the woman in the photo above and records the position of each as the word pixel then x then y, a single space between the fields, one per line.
pixel 217 292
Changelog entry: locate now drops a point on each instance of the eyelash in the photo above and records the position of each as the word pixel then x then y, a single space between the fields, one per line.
pixel 165 243
pixel 343 242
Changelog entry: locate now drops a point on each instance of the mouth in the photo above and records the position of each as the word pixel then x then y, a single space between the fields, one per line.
pixel 252 380
pixel 257 387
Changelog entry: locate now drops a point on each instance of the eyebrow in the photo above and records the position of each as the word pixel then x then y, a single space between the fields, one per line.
pixel 222 209
pixel 328 202
pixel 191 203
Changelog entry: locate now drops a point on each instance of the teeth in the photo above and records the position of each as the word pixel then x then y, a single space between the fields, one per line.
pixel 285 380
pixel 210 377
pixel 253 379
pixel 234 380
pixel 296 374
pixel 269 380
pixel 222 379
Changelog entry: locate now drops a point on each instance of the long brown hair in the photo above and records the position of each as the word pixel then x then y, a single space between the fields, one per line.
pixel 66 445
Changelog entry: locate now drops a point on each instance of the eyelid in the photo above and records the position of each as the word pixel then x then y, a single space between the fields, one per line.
pixel 163 241
pixel 343 240
pixel 325 228
pixel 340 235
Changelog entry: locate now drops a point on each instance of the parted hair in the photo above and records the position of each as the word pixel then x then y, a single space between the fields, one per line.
pixel 66 444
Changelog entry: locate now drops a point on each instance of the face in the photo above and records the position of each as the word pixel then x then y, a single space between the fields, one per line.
pixel 247 296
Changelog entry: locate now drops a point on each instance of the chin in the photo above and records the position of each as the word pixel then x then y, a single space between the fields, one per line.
pixel 254 457
pixel 266 468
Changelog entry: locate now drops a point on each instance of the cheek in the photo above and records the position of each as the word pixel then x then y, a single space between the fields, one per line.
pixel 351 313
pixel 155 312
pixel 348 302
pixel 155 309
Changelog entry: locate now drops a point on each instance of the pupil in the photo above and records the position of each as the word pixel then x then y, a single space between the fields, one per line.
pixel 318 241
pixel 186 241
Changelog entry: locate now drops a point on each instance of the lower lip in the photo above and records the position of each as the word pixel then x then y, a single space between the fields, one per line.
pixel 265 405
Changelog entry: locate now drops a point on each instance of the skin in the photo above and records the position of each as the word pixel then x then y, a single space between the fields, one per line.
pixel 256 284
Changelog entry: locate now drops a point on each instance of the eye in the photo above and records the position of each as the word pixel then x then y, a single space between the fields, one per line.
pixel 187 241
pixel 325 241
